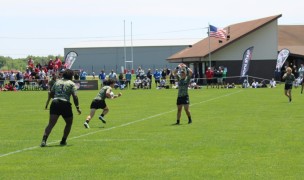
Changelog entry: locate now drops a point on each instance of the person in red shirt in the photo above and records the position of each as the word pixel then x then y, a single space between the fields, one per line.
pixel 9 87
pixel 58 63
pixel 209 75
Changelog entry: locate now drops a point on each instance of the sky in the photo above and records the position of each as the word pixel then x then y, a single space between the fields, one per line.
pixel 46 27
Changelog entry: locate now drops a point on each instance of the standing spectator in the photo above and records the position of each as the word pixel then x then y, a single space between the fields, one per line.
pixel 301 71
pixel 113 75
pixel 183 98
pixel 140 73
pixel 58 63
pixel 12 78
pixel 128 78
pixel 83 75
pixel 209 75
pixel 219 77
pixel 61 92
pixel 149 75
pixel 102 76
pixel 164 74
pixel 301 74
pixel 157 76
pixel 289 78
pixel 30 63
pixel 2 79
pixel 225 70
pixel 50 66
pixel 172 79
pixel 20 80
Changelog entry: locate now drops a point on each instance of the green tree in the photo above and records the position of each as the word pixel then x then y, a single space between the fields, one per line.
pixel 2 61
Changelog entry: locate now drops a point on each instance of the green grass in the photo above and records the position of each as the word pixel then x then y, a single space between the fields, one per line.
pixel 236 134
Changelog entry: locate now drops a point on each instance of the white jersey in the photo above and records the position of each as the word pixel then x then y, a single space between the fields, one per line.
pixel 301 71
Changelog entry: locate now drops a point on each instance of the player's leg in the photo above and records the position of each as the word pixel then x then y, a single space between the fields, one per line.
pixel 105 111
pixel 179 112
pixel 289 92
pixel 52 122
pixel 67 129
pixel 89 117
pixel 186 107
pixel 286 91
pixel 92 113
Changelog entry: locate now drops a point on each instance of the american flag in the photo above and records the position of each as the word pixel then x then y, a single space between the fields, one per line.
pixel 217 32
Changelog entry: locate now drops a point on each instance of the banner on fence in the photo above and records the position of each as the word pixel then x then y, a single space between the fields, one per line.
pixel 86 84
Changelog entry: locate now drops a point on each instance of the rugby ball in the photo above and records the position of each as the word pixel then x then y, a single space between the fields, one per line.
pixel 112 94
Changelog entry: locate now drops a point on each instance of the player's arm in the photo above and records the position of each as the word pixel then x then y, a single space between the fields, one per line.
pixel 108 93
pixel 52 92
pixel 76 102
pixel 189 71
pixel 176 69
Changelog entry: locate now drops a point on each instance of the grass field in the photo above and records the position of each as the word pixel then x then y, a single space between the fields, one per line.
pixel 235 134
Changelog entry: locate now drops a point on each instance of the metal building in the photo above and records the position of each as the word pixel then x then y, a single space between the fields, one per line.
pixel 109 55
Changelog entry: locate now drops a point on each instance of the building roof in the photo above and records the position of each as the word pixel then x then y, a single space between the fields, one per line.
pixel 235 31
pixel 291 37
pixel 135 43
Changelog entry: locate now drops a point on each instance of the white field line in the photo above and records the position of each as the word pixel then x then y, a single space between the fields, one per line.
pixel 107 140
pixel 122 125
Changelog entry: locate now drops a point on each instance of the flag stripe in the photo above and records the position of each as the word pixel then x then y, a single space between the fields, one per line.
pixel 217 32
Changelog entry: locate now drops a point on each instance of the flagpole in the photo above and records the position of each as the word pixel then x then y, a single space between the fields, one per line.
pixel 209 45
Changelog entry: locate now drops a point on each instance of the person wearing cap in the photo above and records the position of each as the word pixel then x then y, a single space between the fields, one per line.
pixel 183 79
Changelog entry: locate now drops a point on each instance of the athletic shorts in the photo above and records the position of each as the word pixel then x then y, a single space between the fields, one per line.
pixel 60 107
pixel 98 104
pixel 288 86
pixel 182 100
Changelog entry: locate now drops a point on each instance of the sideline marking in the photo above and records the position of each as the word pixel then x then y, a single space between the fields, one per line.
pixel 122 125
pixel 106 140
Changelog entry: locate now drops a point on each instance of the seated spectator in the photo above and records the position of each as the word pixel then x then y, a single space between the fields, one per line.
pixel 232 85
pixel 263 84
pixel 137 83
pixel 175 86
pixel 272 83
pixel 254 84
pixel 193 85
pixel 162 84
pixel 146 82
pixel 9 87
pixel 245 84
